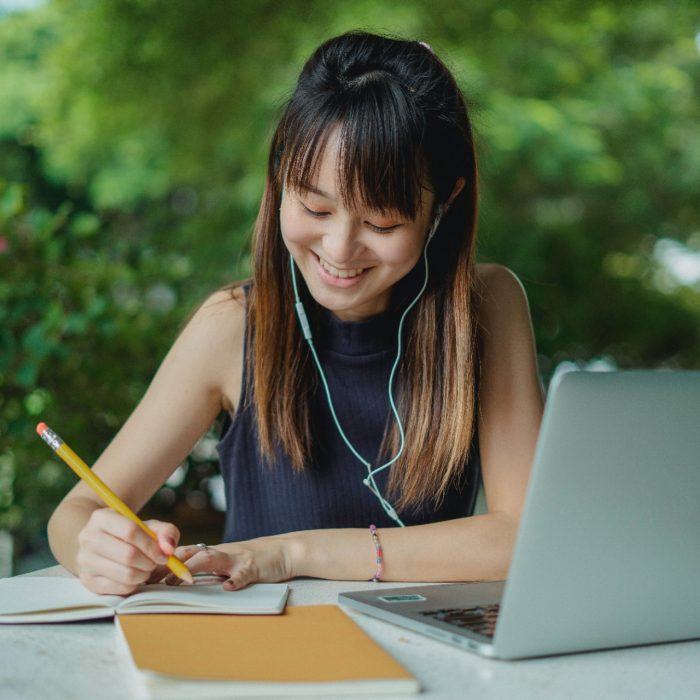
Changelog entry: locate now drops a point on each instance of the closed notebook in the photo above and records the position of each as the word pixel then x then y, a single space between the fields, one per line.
pixel 59 599
pixel 308 650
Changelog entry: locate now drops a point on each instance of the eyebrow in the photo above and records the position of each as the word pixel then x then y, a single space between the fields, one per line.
pixel 315 190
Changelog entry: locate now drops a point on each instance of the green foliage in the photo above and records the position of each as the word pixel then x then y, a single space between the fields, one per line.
pixel 589 121
pixel 133 138
pixel 84 317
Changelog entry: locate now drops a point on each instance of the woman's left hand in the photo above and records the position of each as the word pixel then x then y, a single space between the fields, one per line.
pixel 266 559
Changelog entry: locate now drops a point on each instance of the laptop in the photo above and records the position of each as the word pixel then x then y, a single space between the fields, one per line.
pixel 608 549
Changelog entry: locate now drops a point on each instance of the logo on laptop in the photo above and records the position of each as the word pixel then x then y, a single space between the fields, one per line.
pixel 402 598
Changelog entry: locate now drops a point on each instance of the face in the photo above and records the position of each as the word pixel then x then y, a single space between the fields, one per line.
pixel 350 259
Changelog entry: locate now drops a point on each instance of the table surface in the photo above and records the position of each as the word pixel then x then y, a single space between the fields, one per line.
pixel 84 660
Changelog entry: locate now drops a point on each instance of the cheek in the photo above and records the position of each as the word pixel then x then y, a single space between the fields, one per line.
pixel 402 254
pixel 295 231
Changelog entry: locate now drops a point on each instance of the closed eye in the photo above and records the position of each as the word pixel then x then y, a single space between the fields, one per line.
pixel 313 212
pixel 320 214
pixel 382 229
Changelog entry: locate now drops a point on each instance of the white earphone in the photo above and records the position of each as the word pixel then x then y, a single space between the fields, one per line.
pixel 368 481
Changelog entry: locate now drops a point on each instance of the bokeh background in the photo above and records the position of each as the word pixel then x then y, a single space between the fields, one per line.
pixel 133 138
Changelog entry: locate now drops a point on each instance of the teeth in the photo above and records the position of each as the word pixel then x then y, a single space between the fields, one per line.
pixel 339 273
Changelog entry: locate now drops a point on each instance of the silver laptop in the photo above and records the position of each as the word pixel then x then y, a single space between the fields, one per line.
pixel 608 550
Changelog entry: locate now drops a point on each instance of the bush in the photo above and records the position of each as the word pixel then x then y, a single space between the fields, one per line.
pixel 85 316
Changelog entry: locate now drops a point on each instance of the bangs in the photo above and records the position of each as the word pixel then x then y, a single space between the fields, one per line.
pixel 380 162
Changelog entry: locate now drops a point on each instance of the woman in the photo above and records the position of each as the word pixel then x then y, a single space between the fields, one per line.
pixel 371 373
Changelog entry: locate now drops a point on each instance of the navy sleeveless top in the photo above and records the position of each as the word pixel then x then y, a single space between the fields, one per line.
pixel 268 498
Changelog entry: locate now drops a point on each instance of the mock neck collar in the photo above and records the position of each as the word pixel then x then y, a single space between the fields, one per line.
pixel 372 335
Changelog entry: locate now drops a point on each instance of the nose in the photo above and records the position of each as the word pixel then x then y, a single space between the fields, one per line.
pixel 341 242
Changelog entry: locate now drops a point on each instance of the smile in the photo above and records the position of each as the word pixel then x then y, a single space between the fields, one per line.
pixel 337 272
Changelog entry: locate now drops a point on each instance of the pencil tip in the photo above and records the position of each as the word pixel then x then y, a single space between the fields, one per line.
pixel 41 428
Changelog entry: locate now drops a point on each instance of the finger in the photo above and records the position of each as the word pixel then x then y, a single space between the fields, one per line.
pixel 210 560
pixel 92 563
pixel 124 580
pixel 158 575
pixel 104 545
pixel 239 569
pixel 199 561
pixel 167 535
pixel 116 525
pixel 186 552
pixel 240 577
pixel 104 586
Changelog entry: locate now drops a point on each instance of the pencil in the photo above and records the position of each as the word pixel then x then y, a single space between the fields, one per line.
pixel 104 492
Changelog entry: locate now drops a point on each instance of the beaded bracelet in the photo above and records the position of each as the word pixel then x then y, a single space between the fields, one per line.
pixel 380 553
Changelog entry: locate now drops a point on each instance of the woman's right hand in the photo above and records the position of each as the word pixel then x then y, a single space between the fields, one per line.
pixel 116 556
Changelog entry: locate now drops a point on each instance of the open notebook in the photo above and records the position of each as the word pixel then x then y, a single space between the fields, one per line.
pixel 59 599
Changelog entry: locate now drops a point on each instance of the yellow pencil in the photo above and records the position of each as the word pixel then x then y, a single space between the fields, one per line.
pixel 104 492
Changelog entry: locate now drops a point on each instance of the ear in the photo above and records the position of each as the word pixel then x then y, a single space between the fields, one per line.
pixel 459 186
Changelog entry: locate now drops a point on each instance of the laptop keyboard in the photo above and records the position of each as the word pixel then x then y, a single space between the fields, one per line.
pixel 480 619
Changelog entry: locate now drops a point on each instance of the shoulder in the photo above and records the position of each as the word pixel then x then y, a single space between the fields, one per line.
pixel 503 314
pixel 212 341
pixel 224 311
pixel 496 284
pixel 220 318
pixel 501 300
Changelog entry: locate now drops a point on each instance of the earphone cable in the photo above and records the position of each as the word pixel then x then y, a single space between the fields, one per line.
pixel 369 481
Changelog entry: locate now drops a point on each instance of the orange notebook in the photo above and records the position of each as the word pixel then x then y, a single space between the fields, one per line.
pixel 308 650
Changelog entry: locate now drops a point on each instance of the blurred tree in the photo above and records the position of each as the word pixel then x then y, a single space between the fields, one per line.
pixel 587 117
pixel 133 138
pixel 88 305
pixel 84 320
pixel 590 123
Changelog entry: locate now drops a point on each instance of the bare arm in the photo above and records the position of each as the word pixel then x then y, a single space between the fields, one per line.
pixel 510 404
pixel 473 548
pixel 191 387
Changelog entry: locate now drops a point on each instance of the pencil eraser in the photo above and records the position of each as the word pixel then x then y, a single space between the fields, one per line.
pixel 40 428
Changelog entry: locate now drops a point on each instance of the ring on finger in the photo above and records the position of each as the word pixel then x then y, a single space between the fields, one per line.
pixel 205 548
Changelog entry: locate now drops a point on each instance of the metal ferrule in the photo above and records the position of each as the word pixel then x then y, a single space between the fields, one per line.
pixel 51 439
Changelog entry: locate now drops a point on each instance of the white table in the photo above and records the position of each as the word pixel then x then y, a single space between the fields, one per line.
pixel 83 660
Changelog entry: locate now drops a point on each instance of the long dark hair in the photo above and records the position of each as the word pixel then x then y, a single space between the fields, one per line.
pixel 403 125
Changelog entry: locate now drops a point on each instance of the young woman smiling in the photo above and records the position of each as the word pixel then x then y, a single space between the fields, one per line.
pixel 371 374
